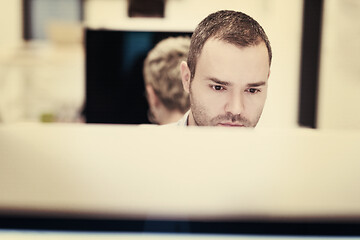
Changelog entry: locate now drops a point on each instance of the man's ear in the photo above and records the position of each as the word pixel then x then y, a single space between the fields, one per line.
pixel 152 98
pixel 185 76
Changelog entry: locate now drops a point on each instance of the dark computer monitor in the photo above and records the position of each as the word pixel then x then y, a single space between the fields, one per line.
pixel 115 90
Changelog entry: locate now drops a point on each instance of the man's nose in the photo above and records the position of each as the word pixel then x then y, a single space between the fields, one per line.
pixel 235 104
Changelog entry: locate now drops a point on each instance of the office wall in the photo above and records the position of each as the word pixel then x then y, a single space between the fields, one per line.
pixel 38 78
pixel 10 23
pixel 339 89
pixel 280 19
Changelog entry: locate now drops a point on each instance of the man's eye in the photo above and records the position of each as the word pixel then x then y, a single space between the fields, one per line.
pixel 217 87
pixel 253 90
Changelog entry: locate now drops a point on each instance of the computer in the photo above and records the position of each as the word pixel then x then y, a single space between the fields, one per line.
pixel 111 181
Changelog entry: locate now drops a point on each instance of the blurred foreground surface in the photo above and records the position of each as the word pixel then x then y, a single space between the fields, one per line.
pixel 137 172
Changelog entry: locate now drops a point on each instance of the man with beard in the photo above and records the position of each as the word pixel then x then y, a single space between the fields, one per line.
pixel 227 71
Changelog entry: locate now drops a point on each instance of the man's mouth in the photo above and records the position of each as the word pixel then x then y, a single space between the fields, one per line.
pixel 230 125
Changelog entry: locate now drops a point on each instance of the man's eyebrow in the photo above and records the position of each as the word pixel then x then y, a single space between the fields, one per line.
pixel 257 84
pixel 217 81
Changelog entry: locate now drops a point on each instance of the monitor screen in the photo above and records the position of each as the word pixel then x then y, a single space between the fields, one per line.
pixel 115 91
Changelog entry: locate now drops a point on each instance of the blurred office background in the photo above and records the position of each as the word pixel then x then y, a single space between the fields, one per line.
pixel 45 73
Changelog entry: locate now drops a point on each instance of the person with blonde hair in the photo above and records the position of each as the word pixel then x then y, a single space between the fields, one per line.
pixel 165 94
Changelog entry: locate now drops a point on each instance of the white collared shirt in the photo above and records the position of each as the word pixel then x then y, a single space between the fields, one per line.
pixel 183 122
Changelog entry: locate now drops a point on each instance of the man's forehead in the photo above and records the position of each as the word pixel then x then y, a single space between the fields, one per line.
pixel 226 62
pixel 213 43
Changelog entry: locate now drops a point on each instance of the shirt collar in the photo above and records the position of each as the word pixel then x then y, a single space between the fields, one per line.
pixel 184 120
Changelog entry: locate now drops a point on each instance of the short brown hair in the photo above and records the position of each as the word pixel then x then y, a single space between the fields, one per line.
pixel 162 71
pixel 231 26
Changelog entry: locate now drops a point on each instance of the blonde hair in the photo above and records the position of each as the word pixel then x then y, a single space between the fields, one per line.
pixel 162 71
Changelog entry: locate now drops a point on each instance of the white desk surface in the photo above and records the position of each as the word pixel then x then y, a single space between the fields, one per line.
pixel 191 173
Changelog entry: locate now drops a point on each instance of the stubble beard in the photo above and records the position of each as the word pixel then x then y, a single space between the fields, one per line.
pixel 202 119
